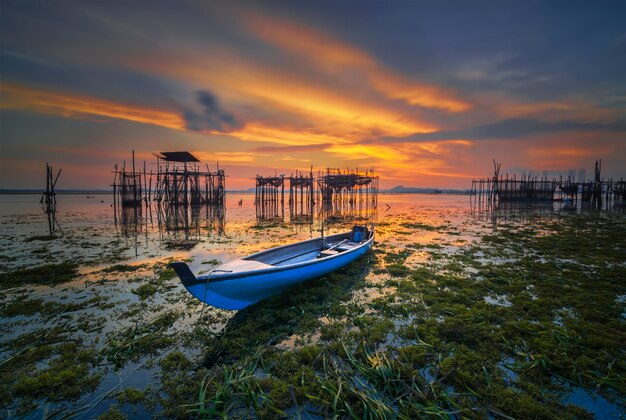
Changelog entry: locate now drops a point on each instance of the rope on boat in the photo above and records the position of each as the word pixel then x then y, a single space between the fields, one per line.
pixel 203 301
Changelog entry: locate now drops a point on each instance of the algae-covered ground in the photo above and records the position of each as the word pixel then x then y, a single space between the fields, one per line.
pixel 514 313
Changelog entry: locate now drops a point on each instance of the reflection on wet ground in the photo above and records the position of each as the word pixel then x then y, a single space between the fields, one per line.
pixel 90 303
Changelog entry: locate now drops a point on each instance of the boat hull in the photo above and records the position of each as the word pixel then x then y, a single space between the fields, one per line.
pixel 239 293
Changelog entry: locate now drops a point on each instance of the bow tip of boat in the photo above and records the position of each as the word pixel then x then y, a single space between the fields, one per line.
pixel 183 271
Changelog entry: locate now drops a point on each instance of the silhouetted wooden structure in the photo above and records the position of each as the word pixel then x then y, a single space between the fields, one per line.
pixel 504 188
pixel 49 195
pixel 619 190
pixel 48 198
pixel 491 191
pixel 568 188
pixel 127 185
pixel 180 180
pixel 301 197
pixel 269 197
pixel 350 193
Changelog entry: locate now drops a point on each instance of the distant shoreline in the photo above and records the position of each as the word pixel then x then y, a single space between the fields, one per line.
pixel 26 192
pixel 105 192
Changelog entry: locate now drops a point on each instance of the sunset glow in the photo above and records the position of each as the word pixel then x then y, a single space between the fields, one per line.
pixel 14 97
pixel 263 89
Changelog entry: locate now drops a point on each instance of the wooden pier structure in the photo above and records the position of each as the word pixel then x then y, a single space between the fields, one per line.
pixel 127 184
pixel 301 197
pixel 348 192
pixel 499 188
pixel 269 198
pixel 335 192
pixel 180 180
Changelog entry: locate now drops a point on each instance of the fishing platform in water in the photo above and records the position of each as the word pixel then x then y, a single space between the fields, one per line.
pixel 499 188
pixel 334 192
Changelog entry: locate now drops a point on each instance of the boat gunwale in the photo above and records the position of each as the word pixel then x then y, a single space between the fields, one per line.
pixel 212 277
pixel 265 251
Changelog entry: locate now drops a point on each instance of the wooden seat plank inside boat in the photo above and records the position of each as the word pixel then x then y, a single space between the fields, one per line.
pixel 240 266
pixel 346 246
pixel 328 253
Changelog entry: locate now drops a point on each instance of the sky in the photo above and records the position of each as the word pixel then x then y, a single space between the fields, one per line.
pixel 427 93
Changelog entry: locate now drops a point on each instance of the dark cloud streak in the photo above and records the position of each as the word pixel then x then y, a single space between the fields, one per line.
pixel 211 117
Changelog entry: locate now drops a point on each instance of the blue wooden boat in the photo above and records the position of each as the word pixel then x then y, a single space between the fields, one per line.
pixel 243 282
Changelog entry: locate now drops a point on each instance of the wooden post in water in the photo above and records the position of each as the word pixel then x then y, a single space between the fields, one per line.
pixel 145 183
pixel 596 197
pixel 134 181
pixel 49 196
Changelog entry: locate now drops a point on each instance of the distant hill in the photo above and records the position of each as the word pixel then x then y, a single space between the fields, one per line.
pixel 400 189
pixel 248 191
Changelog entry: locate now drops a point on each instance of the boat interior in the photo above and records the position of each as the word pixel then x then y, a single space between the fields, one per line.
pixel 299 252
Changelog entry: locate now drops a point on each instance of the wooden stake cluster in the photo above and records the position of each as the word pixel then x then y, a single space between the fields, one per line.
pixel 619 190
pixel 349 193
pixel 269 198
pixel 49 199
pixel 127 184
pixel 301 197
pixel 501 188
pixel 49 196
pixel 180 181
pixel 491 191
pixel 131 220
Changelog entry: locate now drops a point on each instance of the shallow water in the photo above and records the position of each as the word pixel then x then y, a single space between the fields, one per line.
pixel 120 256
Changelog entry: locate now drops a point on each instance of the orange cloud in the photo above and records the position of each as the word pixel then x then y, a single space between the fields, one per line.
pixel 71 105
pixel 416 158
pixel 65 104
pixel 317 113
pixel 313 104
pixel 285 135
pixel 309 97
pixel 333 55
pixel 228 157
pixel 578 152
